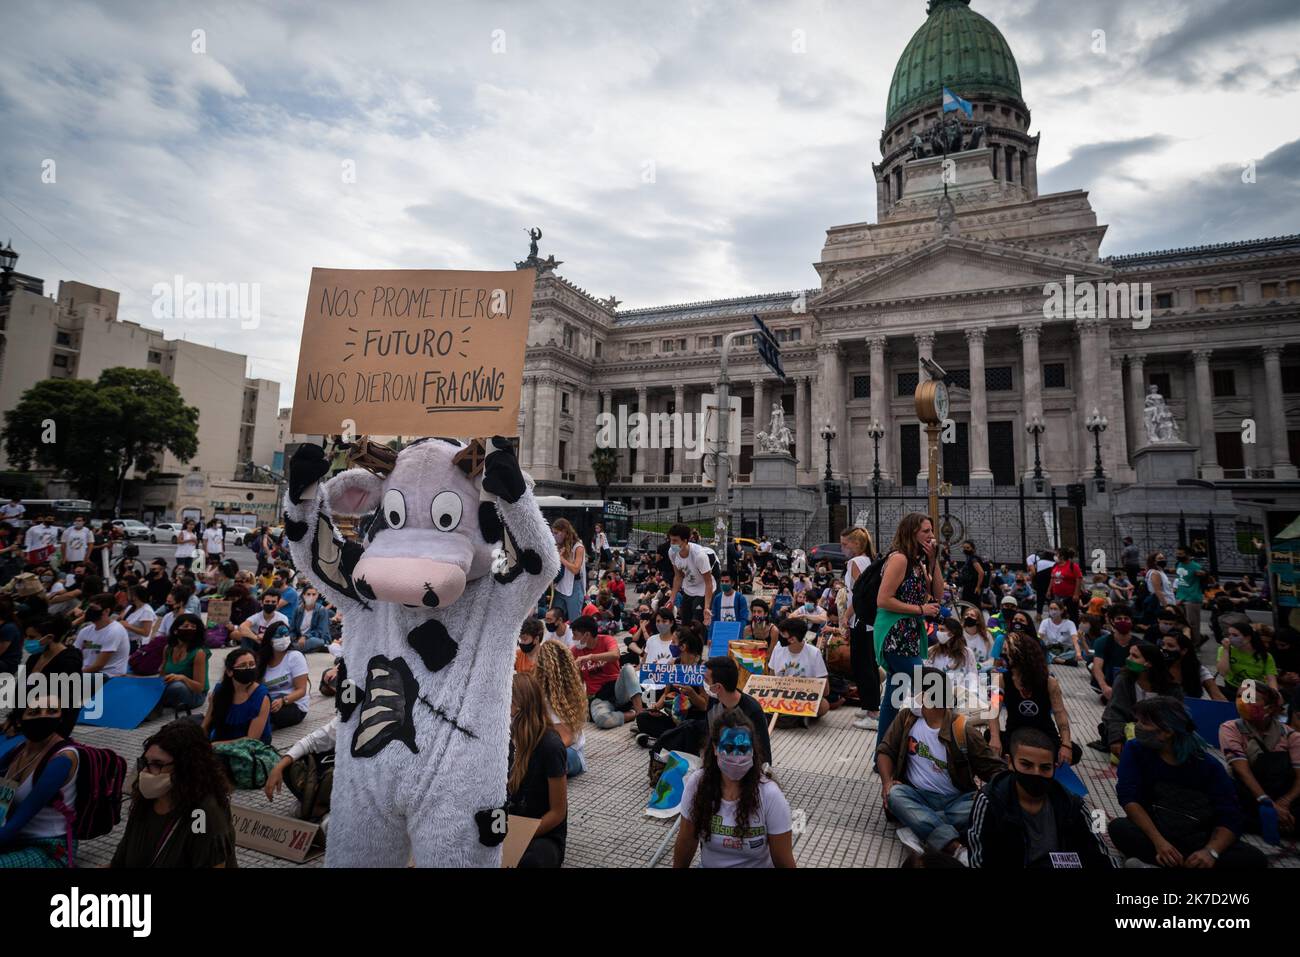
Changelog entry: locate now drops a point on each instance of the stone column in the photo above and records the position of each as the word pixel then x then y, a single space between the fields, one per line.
pixel 1283 468
pixel 642 455
pixel 544 425
pixel 835 412
pixel 880 401
pixel 1119 421
pixel 1089 391
pixel 577 399
pixel 980 473
pixel 924 350
pixel 822 407
pixel 526 434
pixel 761 415
pixel 1032 375
pixel 1137 395
pixel 679 406
pixel 1205 411
pixel 803 422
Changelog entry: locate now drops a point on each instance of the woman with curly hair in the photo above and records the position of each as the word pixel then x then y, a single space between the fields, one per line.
pixel 1030 697
pixel 535 786
pixel 565 698
pixel 735 814
pixel 180 783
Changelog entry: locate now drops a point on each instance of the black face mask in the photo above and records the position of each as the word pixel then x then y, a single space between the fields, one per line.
pixel 1035 785
pixel 1169 654
pixel 784 641
pixel 268 609
pixel 37 730
pixel 526 648
pixel 245 676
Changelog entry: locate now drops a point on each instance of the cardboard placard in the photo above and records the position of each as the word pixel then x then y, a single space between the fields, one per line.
pixel 413 352
pixel 691 675
pixel 284 837
pixel 519 833
pixel 798 697
pixel 219 611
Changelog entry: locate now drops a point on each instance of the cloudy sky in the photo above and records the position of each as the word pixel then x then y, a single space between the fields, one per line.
pixel 671 151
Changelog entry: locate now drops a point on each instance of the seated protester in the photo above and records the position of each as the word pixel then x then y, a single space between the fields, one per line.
pixel 1059 635
pixel 1024 818
pixel 810 613
pixel 140 618
pixel 639 634
pixel 1001 622
pixel 310 624
pixel 1264 757
pixel 1022 592
pixel 530 640
pixel 721 684
pixel 240 706
pixel 729 604
pixel 565 697
pixel 978 639
pixel 661 641
pixel 249 634
pixel 614 692
pixel 537 785
pixel 770 578
pixel 53 655
pixel 1243 655
pixel 157 582
pixel 104 643
pixel 283 671
pixel 1181 807
pixel 11 637
pixel 179 775
pixel 1098 595
pixel 1110 650
pixel 745 579
pixel 1031 698
pixel 1090 629
pixel 243 605
pixel 760 626
pixel 289 599
pixel 1186 670
pixel 1020 622
pixel 1286 655
pixel 1121 589
pixel 174 601
pixel 36 831
pixel 949 653
pixel 321 741
pixel 557 627
pixel 185 665
pixel 676 704
pixel 795 657
pixel 928 762
pixel 731 810
pixel 1146 675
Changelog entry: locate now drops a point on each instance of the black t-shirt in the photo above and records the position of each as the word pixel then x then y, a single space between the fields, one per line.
pixel 533 799
pixel 752 710
pixel 11 634
pixel 159 588
pixel 142 843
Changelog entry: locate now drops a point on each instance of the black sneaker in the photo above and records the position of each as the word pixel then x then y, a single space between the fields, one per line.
pixel 644 740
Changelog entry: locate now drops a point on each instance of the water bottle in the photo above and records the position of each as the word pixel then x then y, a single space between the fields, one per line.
pixel 1268 826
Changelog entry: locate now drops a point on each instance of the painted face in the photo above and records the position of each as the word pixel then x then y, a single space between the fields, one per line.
pixel 735 741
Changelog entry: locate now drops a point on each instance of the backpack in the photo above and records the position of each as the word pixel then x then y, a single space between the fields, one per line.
pixel 866 587
pixel 311 780
pixel 248 761
pixel 100 775
pixel 148 660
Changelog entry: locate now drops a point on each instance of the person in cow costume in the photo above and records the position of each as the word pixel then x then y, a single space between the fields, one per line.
pixel 452 553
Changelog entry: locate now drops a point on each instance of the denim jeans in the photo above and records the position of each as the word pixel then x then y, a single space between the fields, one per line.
pixel 576 762
pixel 898 685
pixel 936 819
pixel 607 714
pixel 176 694
pixel 309 643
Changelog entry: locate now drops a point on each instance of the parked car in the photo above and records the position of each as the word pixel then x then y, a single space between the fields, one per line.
pixel 239 534
pixel 827 552
pixel 166 532
pixel 131 527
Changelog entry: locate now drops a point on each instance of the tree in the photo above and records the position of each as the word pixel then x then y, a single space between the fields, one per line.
pixel 604 466
pixel 96 432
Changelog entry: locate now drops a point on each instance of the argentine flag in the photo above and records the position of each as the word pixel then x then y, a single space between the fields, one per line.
pixel 951 101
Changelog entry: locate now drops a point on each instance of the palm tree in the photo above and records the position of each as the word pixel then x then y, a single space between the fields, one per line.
pixel 604 466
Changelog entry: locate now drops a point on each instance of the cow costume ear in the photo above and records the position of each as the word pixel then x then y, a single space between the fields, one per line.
pixel 354 492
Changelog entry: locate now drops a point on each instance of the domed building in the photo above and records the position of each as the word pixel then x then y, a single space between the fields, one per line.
pixel 1189 355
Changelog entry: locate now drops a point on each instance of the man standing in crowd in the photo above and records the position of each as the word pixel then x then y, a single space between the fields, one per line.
pixel 692 575
pixel 12 512
pixel 1041 568
pixel 42 538
pixel 973 578
pixel 1188 591
pixel 78 542
pixel 214 542
pixel 1130 558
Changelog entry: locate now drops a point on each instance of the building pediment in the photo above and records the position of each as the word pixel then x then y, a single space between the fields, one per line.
pixel 952 266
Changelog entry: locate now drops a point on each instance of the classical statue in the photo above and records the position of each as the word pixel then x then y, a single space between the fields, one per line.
pixel 534 234
pixel 1158 419
pixel 918 147
pixel 977 137
pixel 778 438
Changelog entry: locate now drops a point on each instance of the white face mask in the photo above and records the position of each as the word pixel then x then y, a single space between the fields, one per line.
pixel 942 637
pixel 309 600
pixel 280 644
pixel 664 627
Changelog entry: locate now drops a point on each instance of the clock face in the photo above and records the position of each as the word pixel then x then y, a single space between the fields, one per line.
pixel 940 401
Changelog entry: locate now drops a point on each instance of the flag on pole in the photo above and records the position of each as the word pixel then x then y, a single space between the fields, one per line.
pixel 951 102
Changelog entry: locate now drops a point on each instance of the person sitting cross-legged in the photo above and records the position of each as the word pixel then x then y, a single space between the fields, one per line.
pixel 614 692
pixel 794 657
pixel 1263 755
pixel 1025 818
pixel 928 762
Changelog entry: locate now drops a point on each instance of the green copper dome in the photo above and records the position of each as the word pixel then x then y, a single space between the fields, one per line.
pixel 956 48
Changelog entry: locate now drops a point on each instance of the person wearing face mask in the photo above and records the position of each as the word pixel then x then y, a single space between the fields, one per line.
pixel 950 653
pixel 661 644
pixel 11 637
pixel 1059 636
pixel 557 627
pixel 40 541
pixel 677 705
pixel 1264 758
pixel 1024 818
pixel 249 634
pixel 283 670
pixel 978 639
pixel 43 770
pixel 1145 675
pixel 729 604
pixel 49 652
pixel 104 643
pixel 178 775
pixel 1186 670
pixel 614 691
pixel 1159 587
pixel 810 613
pixel 310 624
pixel 140 619
pixel 794 657
pixel 731 810
pixel 760 626
pixel 1180 805
pixel 1110 650
pixel 1243 655
pixel 240 706
pixel 1029 696
pixel 185 665
pixel 531 634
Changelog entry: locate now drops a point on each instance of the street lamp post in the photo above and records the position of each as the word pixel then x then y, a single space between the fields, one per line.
pixel 1096 424
pixel 1036 428
pixel 877 432
pixel 828 433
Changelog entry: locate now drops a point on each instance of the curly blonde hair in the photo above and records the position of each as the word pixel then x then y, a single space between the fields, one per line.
pixel 562 687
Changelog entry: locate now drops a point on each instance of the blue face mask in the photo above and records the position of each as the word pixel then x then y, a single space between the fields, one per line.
pixel 33 646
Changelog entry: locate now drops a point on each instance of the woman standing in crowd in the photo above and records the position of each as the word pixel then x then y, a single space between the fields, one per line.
pixel 1185 670
pixel 910 588
pixel 1243 655
pixel 35 832
pixel 571 589
pixel 860 552
pixel 186 539
pixel 531 634
pixel 1145 675
pixel 1030 697
pixel 730 792
pixel 283 671
pixel 179 775
pixel 537 785
pixel 676 704
pixel 240 706
pixel 185 665
pixel 1160 591
pixel 565 698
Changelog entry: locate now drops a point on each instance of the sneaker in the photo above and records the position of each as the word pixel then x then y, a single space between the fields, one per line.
pixel 867 722
pixel 963 856
pixel 644 740
pixel 910 840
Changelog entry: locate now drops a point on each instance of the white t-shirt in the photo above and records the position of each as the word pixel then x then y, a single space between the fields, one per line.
pixel 725 848
pixel 855 567
pixel 807 664
pixel 142 616
pixel 580 741
pixel 11 512
pixel 112 638
pixel 280 678
pixel 185 543
pixel 76 543
pixel 728 606
pixel 945 660
pixel 259 622
pixel 42 536
pixel 980 647
pixel 927 767
pixel 693 568
pixel 657 651
pixel 214 540
pixel 165 626
pixel 1057 633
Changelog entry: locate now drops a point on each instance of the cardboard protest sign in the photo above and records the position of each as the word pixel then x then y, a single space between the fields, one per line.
pixel 750 657
pixel 519 832
pixel 219 611
pixel 666 797
pixel 284 837
pixel 797 697
pixel 692 675
pixel 413 352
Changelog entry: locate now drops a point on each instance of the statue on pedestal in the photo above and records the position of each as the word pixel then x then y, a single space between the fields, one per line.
pixel 1159 419
pixel 778 438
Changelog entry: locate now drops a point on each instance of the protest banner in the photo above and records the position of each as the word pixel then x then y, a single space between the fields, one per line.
pixel 284 837
pixel 413 352
pixel 750 657
pixel 219 611
pixel 519 832
pixel 692 675
pixel 797 697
